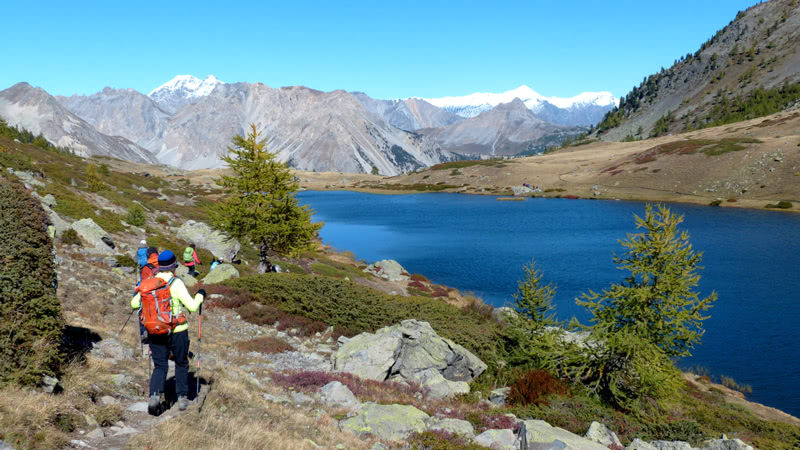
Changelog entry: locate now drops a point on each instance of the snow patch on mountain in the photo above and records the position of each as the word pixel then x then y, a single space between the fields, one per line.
pixel 181 90
pixel 474 104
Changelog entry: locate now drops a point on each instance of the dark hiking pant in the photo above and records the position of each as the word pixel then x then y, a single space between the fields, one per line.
pixel 161 346
pixel 192 272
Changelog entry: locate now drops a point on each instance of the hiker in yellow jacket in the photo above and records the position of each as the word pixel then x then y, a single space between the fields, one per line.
pixel 177 341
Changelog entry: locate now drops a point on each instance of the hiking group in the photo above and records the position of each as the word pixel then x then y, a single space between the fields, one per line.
pixel 162 299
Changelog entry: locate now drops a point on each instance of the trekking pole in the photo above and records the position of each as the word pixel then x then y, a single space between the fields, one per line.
pixel 126 323
pixel 199 342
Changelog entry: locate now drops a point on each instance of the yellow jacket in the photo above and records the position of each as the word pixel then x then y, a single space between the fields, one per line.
pixel 179 292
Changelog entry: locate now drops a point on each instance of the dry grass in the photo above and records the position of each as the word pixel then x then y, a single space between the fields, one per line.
pixel 265 344
pixel 235 416
pixel 34 420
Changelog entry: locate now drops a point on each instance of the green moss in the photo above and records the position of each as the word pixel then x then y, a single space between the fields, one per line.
pixel 783 204
pixel 453 165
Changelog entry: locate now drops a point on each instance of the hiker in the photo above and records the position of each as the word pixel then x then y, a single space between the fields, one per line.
pixel 163 300
pixel 215 263
pixel 150 269
pixel 141 255
pixel 190 259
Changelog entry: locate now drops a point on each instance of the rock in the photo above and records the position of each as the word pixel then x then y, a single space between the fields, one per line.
pixel 137 407
pixel 455 426
pixel 50 384
pixel 599 433
pixel 498 396
pixel 221 273
pixel 405 352
pixel 59 224
pixel 672 445
pixel 97 433
pixel 27 177
pixel 111 348
pixel 49 200
pixel 388 269
pixel 75 443
pixel 726 444
pixel 521 190
pixel 541 434
pixel 639 444
pixel 124 429
pixel 203 236
pixel 109 400
pixel 500 314
pixel 93 235
pixel 300 399
pixel 497 439
pixel 377 446
pixel 337 394
pixel 438 387
pixel 4 446
pixel 276 398
pixel 389 422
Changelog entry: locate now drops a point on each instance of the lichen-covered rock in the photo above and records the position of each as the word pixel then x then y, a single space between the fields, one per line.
pixel 672 445
pixel 497 439
pixel 337 394
pixel 203 236
pixel 455 426
pixel 599 433
pixel 93 235
pixel 726 444
pixel 406 352
pixel 389 422
pixel 540 434
pixel 221 273
pixel 388 269
pixel 437 386
pixel 639 444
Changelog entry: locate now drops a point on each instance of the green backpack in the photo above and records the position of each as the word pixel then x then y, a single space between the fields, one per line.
pixel 187 254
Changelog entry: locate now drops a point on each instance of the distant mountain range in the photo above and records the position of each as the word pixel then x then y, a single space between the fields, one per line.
pixel 188 122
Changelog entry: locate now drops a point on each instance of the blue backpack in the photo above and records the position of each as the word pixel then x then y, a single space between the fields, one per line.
pixel 142 255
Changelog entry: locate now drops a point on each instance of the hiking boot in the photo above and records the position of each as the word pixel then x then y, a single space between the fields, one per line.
pixel 183 403
pixel 154 404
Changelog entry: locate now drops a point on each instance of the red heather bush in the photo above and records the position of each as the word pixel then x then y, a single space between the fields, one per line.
pixel 418 285
pixel 439 291
pixel 232 297
pixel 370 390
pixel 534 386
pixel 265 344
pixel 418 277
pixel 483 421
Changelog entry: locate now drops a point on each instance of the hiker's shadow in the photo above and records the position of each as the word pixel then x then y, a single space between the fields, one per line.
pixel 170 391
pixel 76 342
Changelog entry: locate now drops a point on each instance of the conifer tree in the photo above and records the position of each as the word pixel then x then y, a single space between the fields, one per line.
pixel 93 181
pixel 260 205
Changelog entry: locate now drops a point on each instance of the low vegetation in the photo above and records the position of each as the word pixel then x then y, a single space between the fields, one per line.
pixel 454 165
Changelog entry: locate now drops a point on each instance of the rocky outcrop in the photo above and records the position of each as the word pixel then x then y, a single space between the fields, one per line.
pixel 388 269
pixel 454 426
pixel 390 422
pixel 497 439
pixel 93 235
pixel 203 236
pixel 337 394
pixel 221 273
pixel 541 434
pixel 410 351
pixel 599 433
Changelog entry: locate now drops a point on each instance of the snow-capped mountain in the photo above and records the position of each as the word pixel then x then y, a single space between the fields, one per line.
pixel 583 109
pixel 182 90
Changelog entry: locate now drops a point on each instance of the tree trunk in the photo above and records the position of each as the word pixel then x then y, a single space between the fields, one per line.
pixel 264 265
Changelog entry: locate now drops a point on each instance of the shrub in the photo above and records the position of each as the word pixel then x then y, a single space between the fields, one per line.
pixel 419 286
pixel 482 421
pixel 136 216
pixel 783 204
pixel 421 278
pixel 359 308
pixel 715 203
pixel 70 237
pixel 126 261
pixel 93 181
pixel 259 314
pixel 265 344
pixel 108 415
pixel 441 440
pixel 533 388
pixel 162 219
pixel 30 313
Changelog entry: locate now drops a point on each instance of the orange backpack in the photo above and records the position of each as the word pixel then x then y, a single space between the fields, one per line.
pixel 156 313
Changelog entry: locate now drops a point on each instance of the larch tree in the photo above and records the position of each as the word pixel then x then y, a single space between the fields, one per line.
pixel 260 205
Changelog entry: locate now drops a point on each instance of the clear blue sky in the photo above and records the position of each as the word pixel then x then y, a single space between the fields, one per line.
pixel 388 49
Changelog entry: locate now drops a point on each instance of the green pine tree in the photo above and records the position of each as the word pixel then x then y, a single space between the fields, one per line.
pixel 260 205
pixel 93 181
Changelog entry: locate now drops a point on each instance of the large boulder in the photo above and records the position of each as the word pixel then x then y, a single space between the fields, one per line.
pixel 521 190
pixel 541 434
pixel 672 445
pixel 93 235
pixel 599 433
pixel 221 273
pixel 497 439
pixel 203 236
pixel 726 444
pixel 409 351
pixel 388 269
pixel 639 444
pixel 454 426
pixel 337 394
pixel 389 422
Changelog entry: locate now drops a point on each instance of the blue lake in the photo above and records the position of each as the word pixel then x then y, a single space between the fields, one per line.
pixel 475 243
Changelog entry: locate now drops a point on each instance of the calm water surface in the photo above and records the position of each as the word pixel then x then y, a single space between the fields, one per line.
pixel 478 244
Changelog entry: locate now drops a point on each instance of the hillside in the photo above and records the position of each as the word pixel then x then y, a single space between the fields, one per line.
pixel 747 164
pixel 748 69
pixel 270 342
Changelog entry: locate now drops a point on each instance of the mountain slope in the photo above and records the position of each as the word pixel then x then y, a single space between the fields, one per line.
pixel 760 48
pixel 313 130
pixel 34 109
pixel 582 110
pixel 409 114
pixel 121 112
pixel 507 129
